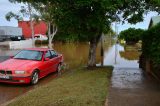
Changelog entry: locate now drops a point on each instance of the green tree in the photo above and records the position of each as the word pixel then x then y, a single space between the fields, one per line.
pixel 91 18
pixel 46 13
pixel 131 35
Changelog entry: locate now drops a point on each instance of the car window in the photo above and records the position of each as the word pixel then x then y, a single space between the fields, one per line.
pixel 29 55
pixel 53 53
pixel 36 36
pixel 48 54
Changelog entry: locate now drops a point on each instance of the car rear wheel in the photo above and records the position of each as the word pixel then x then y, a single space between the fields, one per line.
pixel 35 78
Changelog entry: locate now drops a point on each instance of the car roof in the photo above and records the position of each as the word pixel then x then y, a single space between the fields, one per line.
pixel 38 49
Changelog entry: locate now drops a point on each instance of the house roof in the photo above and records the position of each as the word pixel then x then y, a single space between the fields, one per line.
pixel 154 21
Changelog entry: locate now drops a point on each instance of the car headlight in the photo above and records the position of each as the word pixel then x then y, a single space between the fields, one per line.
pixel 19 72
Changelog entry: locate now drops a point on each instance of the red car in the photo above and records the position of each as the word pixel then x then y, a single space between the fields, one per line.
pixel 29 65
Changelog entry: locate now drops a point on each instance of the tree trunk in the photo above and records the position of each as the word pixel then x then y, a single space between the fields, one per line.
pixel 31 23
pixel 49 36
pixel 92 53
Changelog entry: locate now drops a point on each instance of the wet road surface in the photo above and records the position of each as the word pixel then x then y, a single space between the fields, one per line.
pixel 130 86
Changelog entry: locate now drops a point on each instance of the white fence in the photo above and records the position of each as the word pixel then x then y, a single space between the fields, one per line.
pixel 20 44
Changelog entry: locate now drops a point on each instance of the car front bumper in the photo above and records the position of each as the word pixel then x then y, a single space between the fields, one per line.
pixel 16 80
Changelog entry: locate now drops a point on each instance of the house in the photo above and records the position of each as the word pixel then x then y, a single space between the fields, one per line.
pixel 154 21
pixel 39 28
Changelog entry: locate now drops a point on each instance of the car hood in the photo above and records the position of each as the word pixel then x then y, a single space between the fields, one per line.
pixel 17 64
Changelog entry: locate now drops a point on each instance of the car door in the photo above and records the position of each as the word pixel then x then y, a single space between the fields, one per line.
pixel 54 60
pixel 47 63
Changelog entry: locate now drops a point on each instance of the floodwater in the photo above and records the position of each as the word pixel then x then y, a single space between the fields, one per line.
pixel 75 55
pixel 120 57
pixel 130 86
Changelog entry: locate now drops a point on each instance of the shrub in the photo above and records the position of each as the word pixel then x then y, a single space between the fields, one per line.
pixel 131 35
pixel 38 42
pixel 151 44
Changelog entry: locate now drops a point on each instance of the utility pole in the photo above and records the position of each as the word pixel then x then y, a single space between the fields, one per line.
pixel 102 49
pixel 116 42
pixel 31 22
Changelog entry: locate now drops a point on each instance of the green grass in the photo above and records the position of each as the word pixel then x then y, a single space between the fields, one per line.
pixel 81 87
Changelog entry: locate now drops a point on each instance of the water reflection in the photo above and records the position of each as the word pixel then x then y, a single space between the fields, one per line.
pixel 122 57
pixel 130 53
pixel 76 54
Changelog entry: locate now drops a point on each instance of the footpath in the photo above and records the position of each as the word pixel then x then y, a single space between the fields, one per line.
pixel 132 87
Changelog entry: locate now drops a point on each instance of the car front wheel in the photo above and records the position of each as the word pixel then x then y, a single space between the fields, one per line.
pixel 34 78
pixel 59 69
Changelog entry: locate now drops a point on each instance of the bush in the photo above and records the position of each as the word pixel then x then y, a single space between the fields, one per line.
pixel 64 37
pixel 151 44
pixel 39 42
pixel 131 35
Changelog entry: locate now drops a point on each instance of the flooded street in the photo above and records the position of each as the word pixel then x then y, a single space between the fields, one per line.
pixel 128 84
pixel 117 56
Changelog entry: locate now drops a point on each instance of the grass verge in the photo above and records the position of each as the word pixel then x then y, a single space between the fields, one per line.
pixel 81 87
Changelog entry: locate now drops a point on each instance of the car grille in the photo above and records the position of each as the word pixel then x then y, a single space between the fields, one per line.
pixel 2 72
pixel 5 72
pixel 8 72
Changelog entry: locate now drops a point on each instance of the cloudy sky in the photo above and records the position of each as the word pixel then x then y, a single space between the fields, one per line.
pixel 142 25
pixel 6 6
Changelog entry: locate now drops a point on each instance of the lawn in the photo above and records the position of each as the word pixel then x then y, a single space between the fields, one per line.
pixel 80 87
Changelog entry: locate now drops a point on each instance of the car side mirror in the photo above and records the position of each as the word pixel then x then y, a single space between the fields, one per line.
pixel 46 59
pixel 55 55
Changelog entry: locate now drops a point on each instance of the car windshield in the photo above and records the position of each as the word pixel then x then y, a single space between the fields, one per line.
pixel 29 55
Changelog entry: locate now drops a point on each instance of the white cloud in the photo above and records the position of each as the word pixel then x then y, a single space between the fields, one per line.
pixel 142 25
pixel 5 7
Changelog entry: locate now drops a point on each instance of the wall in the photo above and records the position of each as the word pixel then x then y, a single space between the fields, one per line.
pixel 39 28
pixel 20 44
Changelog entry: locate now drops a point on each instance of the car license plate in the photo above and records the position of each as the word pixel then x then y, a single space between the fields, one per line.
pixel 4 77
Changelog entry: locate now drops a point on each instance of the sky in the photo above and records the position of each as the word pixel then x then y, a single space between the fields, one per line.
pixel 6 6
pixel 142 25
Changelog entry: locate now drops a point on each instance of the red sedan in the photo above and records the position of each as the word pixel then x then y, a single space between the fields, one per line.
pixel 29 65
